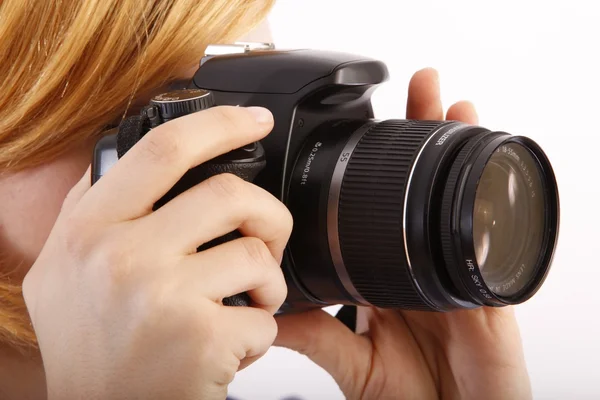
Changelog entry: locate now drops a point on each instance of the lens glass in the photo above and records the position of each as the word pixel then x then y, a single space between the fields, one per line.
pixel 509 219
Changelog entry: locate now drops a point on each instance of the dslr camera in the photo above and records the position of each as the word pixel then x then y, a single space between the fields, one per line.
pixel 407 214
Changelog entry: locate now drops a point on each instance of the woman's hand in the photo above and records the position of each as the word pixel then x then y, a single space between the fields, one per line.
pixel 473 354
pixel 124 307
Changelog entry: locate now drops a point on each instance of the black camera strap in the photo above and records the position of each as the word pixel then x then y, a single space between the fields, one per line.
pixel 131 130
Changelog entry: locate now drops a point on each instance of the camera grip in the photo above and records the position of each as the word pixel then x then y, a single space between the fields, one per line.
pixel 245 163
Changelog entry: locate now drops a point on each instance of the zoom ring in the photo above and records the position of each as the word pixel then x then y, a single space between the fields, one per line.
pixel 371 213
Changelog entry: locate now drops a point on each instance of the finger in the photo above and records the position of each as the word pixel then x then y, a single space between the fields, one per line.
pixel 154 164
pixel 327 342
pixel 238 266
pixel 219 205
pixel 424 102
pixel 463 111
pixel 250 332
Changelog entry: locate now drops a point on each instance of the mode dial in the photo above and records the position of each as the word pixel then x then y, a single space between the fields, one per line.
pixel 178 103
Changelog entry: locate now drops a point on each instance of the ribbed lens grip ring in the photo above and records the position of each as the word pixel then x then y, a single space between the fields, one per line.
pixel 370 213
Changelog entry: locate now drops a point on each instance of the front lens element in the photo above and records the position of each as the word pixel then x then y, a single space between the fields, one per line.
pixel 509 219
pixel 499 219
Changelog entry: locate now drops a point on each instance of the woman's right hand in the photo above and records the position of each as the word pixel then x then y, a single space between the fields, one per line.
pixel 121 303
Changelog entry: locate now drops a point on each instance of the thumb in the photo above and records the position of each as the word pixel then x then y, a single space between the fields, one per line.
pixel 328 343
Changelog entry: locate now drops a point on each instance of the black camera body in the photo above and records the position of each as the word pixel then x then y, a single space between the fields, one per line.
pixel 377 217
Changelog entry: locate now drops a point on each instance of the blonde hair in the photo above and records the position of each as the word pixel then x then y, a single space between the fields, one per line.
pixel 71 67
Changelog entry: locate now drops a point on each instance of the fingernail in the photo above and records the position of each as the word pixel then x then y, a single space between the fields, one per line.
pixel 262 115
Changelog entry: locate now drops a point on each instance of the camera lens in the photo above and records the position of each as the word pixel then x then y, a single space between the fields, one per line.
pixel 508 219
pixel 421 215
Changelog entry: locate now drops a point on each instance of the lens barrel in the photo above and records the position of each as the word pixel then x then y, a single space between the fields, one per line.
pixel 401 213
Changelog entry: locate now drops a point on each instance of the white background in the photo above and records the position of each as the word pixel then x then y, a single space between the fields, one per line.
pixel 531 68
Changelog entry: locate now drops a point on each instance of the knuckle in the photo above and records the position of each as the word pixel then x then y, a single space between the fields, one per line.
pixel 279 216
pixel 162 145
pixel 75 235
pixel 281 290
pixel 224 375
pixel 207 332
pixel 117 262
pixel 270 328
pixel 266 334
pixel 286 220
pixel 153 304
pixel 113 255
pixel 110 253
pixel 256 252
pixel 228 187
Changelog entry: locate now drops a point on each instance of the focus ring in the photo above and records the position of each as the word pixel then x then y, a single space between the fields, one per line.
pixel 370 219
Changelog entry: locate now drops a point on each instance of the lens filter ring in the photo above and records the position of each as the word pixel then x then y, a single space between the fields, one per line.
pixel 499 219
pixel 450 225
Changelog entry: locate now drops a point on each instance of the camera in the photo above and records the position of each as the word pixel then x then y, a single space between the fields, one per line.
pixel 407 214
